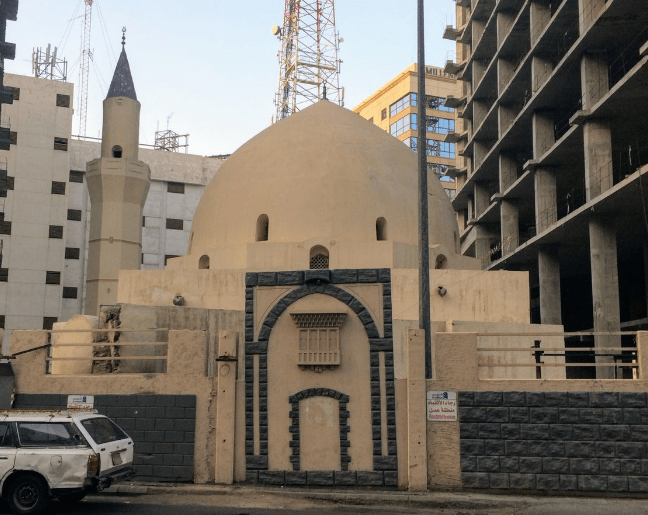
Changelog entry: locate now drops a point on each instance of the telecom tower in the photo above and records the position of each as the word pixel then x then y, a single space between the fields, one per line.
pixel 84 69
pixel 308 61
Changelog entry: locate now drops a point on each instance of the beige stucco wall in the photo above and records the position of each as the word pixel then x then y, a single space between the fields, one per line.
pixel 63 345
pixel 185 375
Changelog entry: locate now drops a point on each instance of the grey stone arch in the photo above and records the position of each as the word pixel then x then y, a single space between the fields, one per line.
pixel 310 282
pixel 295 443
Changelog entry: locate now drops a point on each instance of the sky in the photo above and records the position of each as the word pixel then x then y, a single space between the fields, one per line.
pixel 210 68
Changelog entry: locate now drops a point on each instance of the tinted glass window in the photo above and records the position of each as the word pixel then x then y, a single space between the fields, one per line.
pixel 103 430
pixel 44 434
pixel 6 440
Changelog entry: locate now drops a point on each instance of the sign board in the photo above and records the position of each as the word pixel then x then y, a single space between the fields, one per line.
pixel 442 406
pixel 80 401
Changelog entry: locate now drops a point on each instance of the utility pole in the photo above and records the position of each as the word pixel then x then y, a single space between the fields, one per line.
pixel 309 67
pixel 84 69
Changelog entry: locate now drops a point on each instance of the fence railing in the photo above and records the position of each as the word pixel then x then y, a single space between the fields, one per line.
pixel 557 355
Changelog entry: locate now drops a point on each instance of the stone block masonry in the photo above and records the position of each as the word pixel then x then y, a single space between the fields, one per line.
pixel 554 441
pixel 162 428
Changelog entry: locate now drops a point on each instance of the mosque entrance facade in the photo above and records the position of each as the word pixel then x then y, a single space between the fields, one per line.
pixel 319 378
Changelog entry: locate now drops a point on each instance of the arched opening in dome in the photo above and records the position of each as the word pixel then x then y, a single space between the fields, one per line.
pixel 203 263
pixel 381 229
pixel 319 257
pixel 441 262
pixel 262 228
pixel 117 151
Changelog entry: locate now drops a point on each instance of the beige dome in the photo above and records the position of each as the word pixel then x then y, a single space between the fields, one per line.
pixel 325 173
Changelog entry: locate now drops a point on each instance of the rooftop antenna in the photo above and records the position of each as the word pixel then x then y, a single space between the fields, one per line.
pixel 84 69
pixel 47 65
pixel 309 56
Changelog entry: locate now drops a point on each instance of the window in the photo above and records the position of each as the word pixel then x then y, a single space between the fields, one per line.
pixel 70 292
pixel 58 188
pixel 383 114
pixel 407 123
pixel 71 253
pixel 439 125
pixel 4 275
pixel 76 176
pixel 175 187
pixel 262 228
pixel 16 93
pixel 5 228
pixel 56 231
pixel 74 215
pixel 61 144
pixel 10 183
pixel 319 258
pixel 174 223
pixel 434 147
pixel 437 169
pixel 117 152
pixel 2 321
pixel 13 138
pixel 62 100
pixel 53 278
pixel 437 103
pixel 203 264
pixel 103 430
pixel 6 438
pixel 403 103
pixel 48 323
pixel 319 339
pixel 381 229
pixel 48 434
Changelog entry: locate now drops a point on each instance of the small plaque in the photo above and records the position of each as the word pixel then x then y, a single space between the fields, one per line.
pixel 80 401
pixel 442 406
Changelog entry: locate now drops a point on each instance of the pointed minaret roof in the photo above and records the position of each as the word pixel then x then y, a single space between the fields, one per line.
pixel 122 81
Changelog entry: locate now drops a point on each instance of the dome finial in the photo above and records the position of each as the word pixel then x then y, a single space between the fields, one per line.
pixel 123 36
pixel 324 92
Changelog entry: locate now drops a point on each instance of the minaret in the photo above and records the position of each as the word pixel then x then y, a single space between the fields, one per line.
pixel 118 184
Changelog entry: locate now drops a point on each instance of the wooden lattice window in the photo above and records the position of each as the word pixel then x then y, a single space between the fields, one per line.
pixel 319 258
pixel 319 339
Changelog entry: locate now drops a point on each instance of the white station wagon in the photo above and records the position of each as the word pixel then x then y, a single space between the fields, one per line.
pixel 63 454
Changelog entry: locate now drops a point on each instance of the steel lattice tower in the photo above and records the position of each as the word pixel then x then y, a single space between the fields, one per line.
pixel 308 60
pixel 84 69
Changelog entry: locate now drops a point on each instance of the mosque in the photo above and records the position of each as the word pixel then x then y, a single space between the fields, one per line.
pixel 302 272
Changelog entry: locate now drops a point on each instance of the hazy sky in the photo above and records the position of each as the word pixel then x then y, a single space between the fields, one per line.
pixel 212 65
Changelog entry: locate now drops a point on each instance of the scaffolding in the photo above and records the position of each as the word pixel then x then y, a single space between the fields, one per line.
pixel 170 141
pixel 47 65
pixel 308 61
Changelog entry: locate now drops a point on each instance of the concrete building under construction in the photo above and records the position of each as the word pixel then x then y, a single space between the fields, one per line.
pixel 553 146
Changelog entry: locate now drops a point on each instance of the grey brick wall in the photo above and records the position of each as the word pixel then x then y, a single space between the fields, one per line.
pixel 558 441
pixel 161 426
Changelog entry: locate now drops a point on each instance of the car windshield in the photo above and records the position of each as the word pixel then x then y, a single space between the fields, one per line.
pixel 49 434
pixel 103 430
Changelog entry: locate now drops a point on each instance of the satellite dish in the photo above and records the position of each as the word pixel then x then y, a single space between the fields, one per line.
pixel 276 30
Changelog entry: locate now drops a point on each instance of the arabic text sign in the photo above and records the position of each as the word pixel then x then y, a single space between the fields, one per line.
pixel 442 406
pixel 80 401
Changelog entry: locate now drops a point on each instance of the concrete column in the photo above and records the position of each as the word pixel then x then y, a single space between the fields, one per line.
pixel 507 171
pixel 540 71
pixel 588 13
pixel 477 27
pixel 226 407
pixel 416 411
pixel 481 149
pixel 605 289
pixel 471 209
pixel 504 23
pixel 505 71
pixel 594 77
pixel 505 117
pixel 597 139
pixel 549 278
pixel 546 205
pixel 482 201
pixel 480 110
pixel 510 226
pixel 540 15
pixel 482 245
pixel 544 135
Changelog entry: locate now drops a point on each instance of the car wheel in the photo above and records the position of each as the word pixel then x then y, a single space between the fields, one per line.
pixel 28 495
pixel 72 498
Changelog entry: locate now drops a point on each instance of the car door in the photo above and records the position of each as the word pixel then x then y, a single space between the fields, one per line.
pixel 7 449
pixel 113 445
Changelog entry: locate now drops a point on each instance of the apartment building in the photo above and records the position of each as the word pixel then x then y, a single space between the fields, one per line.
pixel 394 108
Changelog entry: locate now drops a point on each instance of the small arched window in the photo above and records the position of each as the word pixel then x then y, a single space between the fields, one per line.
pixel 319 257
pixel 117 151
pixel 441 261
pixel 203 263
pixel 381 229
pixel 262 228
